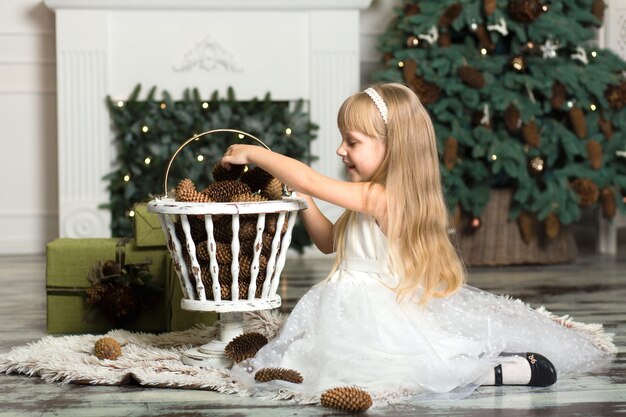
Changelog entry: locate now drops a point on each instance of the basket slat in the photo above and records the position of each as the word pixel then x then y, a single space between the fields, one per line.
pixel 258 247
pixel 188 291
pixel 282 257
pixel 269 274
pixel 191 251
pixel 214 268
pixel 234 266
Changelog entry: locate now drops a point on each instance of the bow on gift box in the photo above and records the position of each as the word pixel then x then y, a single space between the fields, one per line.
pixel 119 290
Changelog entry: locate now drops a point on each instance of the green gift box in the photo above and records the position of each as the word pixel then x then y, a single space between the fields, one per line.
pixel 179 319
pixel 147 227
pixel 68 264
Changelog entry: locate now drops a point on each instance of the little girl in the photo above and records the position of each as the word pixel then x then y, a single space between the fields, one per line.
pixel 394 316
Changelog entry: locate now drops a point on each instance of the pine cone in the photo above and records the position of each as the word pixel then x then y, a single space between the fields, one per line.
pixel 186 191
pixel 119 303
pixel 606 127
pixel 409 70
pixel 579 124
pixel 110 268
pixel 107 348
pixel 247 198
pixel 616 96
pixel 245 346
pixel 450 153
pixel 609 207
pixel 597 9
pixel 426 91
pixel 272 374
pixel 198 231
pixel 220 173
pixel 273 190
pixel 512 119
pixel 489 6
pixel 223 230
pixel 411 9
pixel 552 226
pixel 587 190
pixel 450 15
pixel 525 11
pixel 444 40
pixel 558 95
pixel 256 179
pixel 350 399
pixel 95 293
pixel 526 223
pixel 223 191
pixel 530 134
pixel 223 253
pixel 471 76
pixel 483 38
pixel 594 154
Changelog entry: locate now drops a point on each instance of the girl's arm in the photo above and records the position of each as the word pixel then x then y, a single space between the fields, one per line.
pixel 363 197
pixel 319 228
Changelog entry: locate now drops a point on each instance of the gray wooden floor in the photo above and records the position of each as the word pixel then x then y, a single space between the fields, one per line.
pixel 593 289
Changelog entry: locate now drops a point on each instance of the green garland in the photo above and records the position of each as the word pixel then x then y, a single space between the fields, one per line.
pixel 149 131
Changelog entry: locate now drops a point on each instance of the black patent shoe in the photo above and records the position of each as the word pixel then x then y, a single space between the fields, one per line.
pixel 542 371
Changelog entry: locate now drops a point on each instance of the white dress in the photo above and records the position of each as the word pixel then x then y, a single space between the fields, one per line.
pixel 351 330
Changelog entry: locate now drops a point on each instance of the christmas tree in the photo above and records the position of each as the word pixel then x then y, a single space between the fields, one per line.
pixel 520 97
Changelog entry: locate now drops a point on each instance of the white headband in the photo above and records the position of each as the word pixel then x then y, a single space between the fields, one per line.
pixel 378 101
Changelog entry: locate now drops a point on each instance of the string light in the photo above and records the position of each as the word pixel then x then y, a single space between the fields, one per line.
pixel 126 177
pixel 483 51
pixel 131 213
pixel 163 106
pixel 530 45
pixel 544 8
pixel 570 104
pixel 145 129
pixel 288 131
pixel 594 54
pixel 494 157
pixel 205 105
pixel 401 64
pixel 245 168
pixel 120 103
pixel 474 26
pixel 147 160
pixel 241 136
pixel 593 107
pixel 200 158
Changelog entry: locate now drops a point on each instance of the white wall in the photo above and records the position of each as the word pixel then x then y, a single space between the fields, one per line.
pixel 28 154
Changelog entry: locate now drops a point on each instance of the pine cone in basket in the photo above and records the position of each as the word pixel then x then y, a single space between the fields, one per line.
pixel 223 231
pixel 273 190
pixel 107 348
pixel 283 374
pixel 220 173
pixel 223 191
pixel 245 346
pixel 256 178
pixel 186 191
pixel 350 399
pixel 197 228
pixel 223 253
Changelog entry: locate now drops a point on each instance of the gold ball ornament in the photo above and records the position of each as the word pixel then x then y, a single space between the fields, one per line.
pixel 107 348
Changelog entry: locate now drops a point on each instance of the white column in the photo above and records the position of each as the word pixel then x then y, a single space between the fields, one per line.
pixel 334 69
pixel 84 145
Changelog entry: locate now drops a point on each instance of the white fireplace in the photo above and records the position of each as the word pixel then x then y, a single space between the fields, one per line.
pixel 295 49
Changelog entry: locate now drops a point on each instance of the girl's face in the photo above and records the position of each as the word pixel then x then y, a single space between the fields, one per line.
pixel 361 154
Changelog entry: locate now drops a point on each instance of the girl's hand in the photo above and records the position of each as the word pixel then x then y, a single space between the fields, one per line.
pixel 237 155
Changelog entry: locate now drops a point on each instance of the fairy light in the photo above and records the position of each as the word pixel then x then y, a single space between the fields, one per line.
pixel 163 106
pixel 131 213
pixel 120 103
pixel 401 64
pixel 483 51
pixel 200 158
pixel 241 136
pixel 544 8
pixel 570 104
pixel 126 177
pixel 245 168
pixel 205 105
pixel 530 45
pixel 593 107
pixel 145 129
pixel 147 160
pixel 594 54
pixel 288 131
pixel 494 157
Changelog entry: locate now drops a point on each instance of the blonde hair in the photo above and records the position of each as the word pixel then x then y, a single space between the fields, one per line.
pixel 420 251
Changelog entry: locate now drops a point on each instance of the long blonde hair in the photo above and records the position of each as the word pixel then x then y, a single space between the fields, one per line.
pixel 420 251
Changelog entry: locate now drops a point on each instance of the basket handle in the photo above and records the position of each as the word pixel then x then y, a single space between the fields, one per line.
pixel 198 136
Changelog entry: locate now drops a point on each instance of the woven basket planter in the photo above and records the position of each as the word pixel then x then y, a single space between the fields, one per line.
pixel 499 242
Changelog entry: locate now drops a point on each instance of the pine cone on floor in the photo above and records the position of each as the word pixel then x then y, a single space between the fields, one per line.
pixel 245 346
pixel 350 399
pixel 272 374
pixel 220 173
pixel 107 348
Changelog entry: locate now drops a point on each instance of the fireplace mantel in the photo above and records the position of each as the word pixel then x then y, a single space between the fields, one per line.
pixel 295 49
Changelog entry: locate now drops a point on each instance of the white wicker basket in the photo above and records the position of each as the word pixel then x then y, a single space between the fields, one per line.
pixel 190 278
